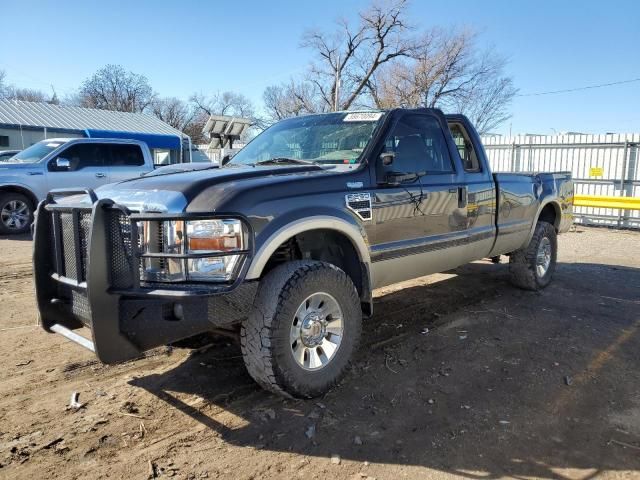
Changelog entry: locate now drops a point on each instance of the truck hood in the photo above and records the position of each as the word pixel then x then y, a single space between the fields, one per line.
pixel 19 166
pixel 196 177
pixel 171 190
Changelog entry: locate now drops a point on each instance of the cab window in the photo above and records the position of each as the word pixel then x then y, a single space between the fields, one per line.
pixel 418 145
pixel 82 155
pixel 122 155
pixel 465 147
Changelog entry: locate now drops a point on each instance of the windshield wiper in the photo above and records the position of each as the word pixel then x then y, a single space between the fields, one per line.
pixel 169 171
pixel 284 161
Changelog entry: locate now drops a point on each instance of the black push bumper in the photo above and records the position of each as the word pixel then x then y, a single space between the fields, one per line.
pixel 87 274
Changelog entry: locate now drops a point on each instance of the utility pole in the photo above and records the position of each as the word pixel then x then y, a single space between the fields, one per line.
pixel 336 90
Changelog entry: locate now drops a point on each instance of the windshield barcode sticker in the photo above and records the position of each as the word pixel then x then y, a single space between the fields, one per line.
pixel 362 116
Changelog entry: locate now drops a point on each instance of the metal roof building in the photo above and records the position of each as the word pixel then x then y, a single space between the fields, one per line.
pixel 24 123
pixel 56 117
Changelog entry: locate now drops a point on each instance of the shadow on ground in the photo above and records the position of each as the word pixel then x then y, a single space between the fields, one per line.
pixel 505 382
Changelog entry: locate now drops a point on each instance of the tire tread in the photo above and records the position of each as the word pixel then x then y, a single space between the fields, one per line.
pixel 257 330
pixel 522 261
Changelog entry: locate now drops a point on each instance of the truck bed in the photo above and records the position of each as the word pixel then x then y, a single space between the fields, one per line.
pixel 519 197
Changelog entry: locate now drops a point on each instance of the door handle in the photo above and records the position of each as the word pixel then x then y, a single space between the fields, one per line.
pixel 100 175
pixel 462 197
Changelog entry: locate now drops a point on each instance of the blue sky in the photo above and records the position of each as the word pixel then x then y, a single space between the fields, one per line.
pixel 197 46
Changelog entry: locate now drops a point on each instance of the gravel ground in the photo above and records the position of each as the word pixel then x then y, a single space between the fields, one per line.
pixel 459 374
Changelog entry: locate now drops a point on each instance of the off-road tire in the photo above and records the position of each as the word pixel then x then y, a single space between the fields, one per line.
pixel 522 263
pixel 265 334
pixel 7 197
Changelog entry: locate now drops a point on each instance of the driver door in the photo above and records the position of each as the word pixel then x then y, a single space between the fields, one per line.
pixel 86 167
pixel 416 201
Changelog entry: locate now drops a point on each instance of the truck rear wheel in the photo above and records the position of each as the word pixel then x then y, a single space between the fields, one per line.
pixel 16 213
pixel 532 267
pixel 303 329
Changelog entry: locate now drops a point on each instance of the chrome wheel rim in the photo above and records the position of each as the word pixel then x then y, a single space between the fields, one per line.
pixel 317 329
pixel 543 257
pixel 15 215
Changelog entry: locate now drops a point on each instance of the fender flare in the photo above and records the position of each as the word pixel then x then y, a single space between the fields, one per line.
pixel 556 207
pixel 270 245
pixel 21 188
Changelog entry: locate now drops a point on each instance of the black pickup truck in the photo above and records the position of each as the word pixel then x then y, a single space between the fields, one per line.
pixel 284 244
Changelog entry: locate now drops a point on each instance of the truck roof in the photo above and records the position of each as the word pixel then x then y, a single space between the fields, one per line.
pixel 59 139
pixel 383 111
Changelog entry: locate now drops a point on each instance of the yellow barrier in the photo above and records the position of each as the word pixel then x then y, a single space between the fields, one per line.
pixel 624 203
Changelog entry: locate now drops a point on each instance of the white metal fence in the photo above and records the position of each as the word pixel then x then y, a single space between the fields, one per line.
pixel 212 153
pixel 602 165
pixel 215 154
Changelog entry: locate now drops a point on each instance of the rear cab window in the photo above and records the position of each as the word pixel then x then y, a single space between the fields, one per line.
pixel 464 146
pixel 123 155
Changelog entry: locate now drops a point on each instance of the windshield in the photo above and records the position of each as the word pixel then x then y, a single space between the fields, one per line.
pixel 35 152
pixel 330 139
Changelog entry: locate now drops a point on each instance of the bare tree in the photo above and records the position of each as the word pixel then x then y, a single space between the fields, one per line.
pixel 54 100
pixel 487 103
pixel 29 95
pixel 221 103
pixel 26 94
pixel 224 103
pixel 345 60
pixel 186 117
pixel 173 111
pixel 384 62
pixel 447 71
pixel 3 84
pixel 113 88
pixel 194 130
pixel 291 100
pixel 11 92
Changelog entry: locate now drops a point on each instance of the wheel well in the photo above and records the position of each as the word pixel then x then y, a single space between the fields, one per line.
pixel 323 245
pixel 27 193
pixel 549 214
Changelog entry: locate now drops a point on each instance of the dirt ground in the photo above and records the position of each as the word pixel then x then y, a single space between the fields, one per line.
pixel 504 383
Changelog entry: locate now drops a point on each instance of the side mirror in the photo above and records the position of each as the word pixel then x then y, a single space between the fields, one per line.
pixel 387 158
pixel 63 163
pixel 226 159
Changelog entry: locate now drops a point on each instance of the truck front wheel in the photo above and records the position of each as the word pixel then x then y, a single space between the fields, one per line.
pixel 532 267
pixel 303 329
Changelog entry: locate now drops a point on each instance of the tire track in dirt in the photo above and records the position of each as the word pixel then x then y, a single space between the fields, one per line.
pixel 437 414
pixel 15 272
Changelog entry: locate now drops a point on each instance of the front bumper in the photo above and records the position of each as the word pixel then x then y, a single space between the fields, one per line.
pixel 86 271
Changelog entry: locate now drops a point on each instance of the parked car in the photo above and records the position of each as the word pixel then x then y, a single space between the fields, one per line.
pixel 54 163
pixel 284 245
pixel 5 155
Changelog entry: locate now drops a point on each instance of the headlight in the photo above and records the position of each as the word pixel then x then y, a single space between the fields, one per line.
pixel 199 250
pixel 213 236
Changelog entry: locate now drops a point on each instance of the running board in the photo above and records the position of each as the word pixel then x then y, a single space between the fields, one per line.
pixel 74 337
